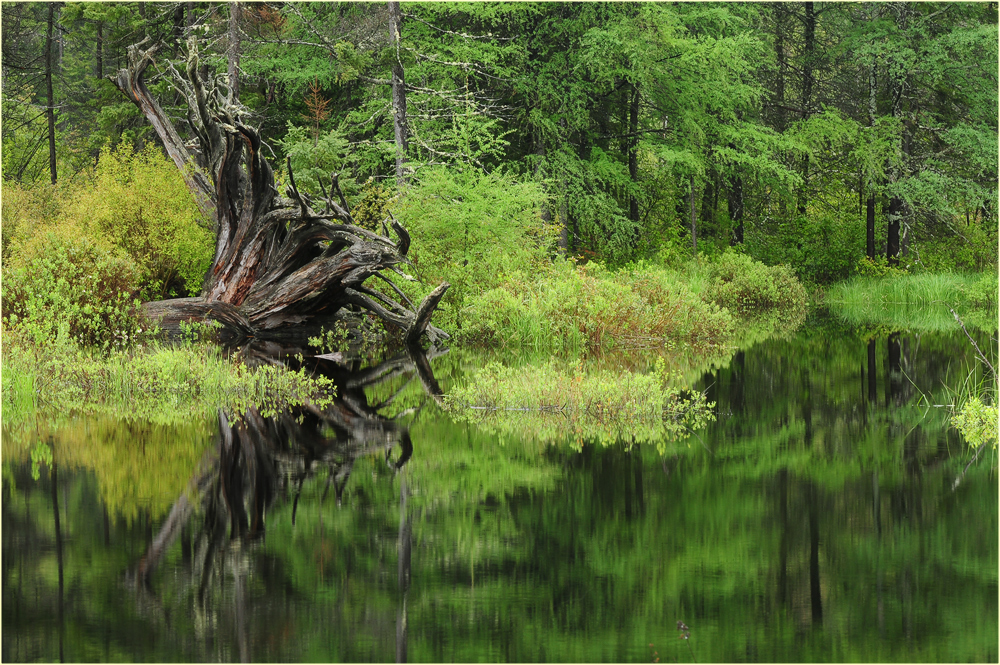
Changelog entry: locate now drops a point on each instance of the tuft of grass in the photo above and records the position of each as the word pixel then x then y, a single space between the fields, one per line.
pixel 917 301
pixel 567 308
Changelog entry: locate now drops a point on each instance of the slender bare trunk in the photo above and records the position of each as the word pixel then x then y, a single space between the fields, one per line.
pixel 50 111
pixel 233 54
pixel 633 154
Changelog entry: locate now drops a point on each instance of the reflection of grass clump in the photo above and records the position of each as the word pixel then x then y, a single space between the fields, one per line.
pixel 555 403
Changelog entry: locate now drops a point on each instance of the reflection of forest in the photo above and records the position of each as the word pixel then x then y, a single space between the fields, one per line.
pixel 819 522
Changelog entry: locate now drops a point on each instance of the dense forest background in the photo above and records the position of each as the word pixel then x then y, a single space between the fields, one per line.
pixel 812 134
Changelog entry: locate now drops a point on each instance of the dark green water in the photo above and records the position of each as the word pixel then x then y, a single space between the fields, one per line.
pixel 818 519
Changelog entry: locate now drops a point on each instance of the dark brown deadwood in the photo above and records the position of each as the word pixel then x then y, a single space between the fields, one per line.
pixel 279 261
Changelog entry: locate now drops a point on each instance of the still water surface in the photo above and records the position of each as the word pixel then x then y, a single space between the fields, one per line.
pixel 818 519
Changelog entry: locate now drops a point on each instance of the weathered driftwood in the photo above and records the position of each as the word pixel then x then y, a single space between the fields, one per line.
pixel 279 261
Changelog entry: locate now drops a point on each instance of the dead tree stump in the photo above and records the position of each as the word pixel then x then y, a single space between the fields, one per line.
pixel 280 261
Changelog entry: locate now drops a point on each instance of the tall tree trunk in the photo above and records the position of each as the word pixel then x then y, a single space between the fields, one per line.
pixel 633 154
pixel 399 123
pixel 895 211
pixel 809 49
pixel 233 52
pixel 872 112
pixel 736 209
pixel 779 54
pixel 50 110
pixel 100 50
pixel 870 226
pixel 892 241
pixel 694 219
pixel 780 120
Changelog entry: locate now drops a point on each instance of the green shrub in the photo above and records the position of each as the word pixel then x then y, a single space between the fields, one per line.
pixel 980 293
pixel 977 422
pixel 371 207
pixel 471 228
pixel 877 267
pixel 748 287
pixel 965 247
pixel 314 159
pixel 67 285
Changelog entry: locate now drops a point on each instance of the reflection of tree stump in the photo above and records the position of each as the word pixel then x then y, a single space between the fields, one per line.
pixel 278 260
pixel 259 459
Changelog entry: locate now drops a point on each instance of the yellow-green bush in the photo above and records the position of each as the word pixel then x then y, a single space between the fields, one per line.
pixel 139 203
pixel 977 422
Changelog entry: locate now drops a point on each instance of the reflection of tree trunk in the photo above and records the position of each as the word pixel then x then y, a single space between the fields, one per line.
pixel 877 517
pixel 814 585
pixel 59 560
pixel 872 388
pixel 737 383
pixel 637 477
pixel 239 602
pixel 176 520
pixel 783 546
pixel 255 456
pixel 403 571
pixel 893 385
pixel 807 412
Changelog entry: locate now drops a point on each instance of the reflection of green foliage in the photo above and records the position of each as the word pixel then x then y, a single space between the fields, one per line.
pixel 527 552
pixel 40 454
pixel 139 466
